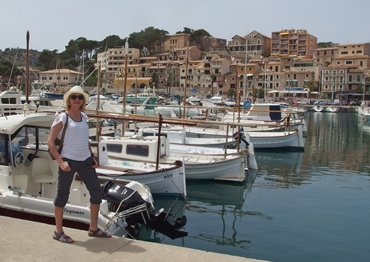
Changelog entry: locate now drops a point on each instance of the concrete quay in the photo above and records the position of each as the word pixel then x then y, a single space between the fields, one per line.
pixel 23 240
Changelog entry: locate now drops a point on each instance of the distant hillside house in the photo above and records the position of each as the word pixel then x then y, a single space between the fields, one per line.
pixel 62 79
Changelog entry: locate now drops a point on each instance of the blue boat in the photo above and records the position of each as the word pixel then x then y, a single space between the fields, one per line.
pixel 55 95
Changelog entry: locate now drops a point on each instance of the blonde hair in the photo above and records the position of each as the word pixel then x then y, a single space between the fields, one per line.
pixel 82 107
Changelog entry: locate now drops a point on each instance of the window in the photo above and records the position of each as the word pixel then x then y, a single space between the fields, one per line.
pixel 348 62
pixel 138 150
pixel 358 78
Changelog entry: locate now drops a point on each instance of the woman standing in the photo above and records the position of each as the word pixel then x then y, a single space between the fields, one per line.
pixel 76 156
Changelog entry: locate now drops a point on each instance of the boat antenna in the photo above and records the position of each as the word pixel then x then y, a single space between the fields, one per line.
pixel 25 108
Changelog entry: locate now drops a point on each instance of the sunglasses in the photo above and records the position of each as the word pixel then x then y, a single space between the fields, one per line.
pixel 80 97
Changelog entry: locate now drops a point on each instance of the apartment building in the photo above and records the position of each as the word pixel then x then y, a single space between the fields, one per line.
pixel 341 79
pixel 345 68
pixel 204 77
pixel 258 45
pixel 293 43
pixel 114 58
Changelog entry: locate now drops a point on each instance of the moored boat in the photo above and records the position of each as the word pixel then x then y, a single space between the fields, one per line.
pixel 28 178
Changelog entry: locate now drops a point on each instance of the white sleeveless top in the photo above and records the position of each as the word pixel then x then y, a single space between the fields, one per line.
pixel 76 138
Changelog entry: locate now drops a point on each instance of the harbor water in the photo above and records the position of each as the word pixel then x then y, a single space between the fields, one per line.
pixel 299 206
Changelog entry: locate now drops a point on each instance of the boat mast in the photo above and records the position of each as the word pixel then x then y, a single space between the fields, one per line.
pixel 125 79
pixel 25 108
pixel 186 77
pixel 245 69
pixel 363 87
pixel 11 72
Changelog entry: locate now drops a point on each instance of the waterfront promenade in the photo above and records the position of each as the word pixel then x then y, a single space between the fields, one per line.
pixel 22 240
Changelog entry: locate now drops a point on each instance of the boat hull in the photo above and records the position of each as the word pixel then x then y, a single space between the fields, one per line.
pixel 160 181
pixel 202 167
pixel 41 209
pixel 291 140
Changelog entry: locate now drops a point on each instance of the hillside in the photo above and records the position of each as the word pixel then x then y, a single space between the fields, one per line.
pixel 9 54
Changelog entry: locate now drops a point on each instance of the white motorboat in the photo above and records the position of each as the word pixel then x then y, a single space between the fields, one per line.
pixel 318 108
pixel 28 178
pixel 12 102
pixel 332 109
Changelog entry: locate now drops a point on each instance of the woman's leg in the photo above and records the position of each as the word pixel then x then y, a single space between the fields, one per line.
pixel 90 178
pixel 64 185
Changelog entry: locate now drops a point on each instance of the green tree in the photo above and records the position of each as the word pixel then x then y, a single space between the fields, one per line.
pixel 231 92
pixel 260 93
pixel 48 59
pixel 326 44
pixel 359 89
pixel 186 30
pixel 196 37
pixel 311 85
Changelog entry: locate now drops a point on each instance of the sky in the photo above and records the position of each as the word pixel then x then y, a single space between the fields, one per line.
pixel 52 24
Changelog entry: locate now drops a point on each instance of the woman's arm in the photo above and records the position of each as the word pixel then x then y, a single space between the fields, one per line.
pixel 52 136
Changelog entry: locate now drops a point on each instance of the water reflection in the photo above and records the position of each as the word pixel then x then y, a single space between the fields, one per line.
pixel 335 141
pixel 217 193
pixel 176 209
pixel 222 203
pixel 280 169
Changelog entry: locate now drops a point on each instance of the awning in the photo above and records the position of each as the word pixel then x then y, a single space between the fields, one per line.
pixel 249 74
pixel 273 92
pixel 315 93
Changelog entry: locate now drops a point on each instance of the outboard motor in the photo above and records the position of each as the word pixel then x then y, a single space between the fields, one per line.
pixel 122 198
